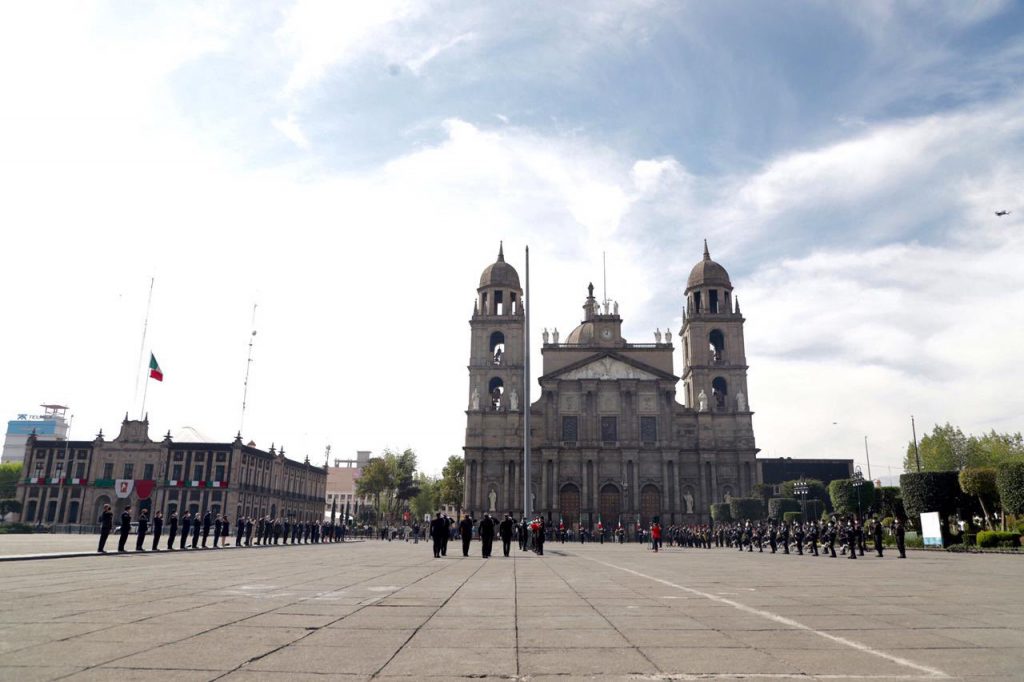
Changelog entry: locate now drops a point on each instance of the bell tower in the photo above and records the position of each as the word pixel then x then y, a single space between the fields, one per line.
pixel 714 359
pixel 494 403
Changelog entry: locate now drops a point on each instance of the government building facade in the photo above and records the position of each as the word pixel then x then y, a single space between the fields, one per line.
pixel 68 482
pixel 616 435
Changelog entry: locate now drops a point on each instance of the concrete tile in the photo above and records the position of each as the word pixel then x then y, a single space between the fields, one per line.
pixel 363 660
pixel 462 661
pixel 584 662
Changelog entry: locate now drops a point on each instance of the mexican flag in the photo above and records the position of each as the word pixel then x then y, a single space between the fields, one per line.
pixel 154 369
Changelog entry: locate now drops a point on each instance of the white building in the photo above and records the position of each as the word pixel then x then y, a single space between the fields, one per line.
pixel 51 425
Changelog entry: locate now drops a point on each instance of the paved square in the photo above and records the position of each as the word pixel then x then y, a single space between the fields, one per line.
pixel 380 610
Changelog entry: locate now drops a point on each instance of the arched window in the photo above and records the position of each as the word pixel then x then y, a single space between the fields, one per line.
pixel 719 390
pixel 716 345
pixel 497 346
pixel 496 389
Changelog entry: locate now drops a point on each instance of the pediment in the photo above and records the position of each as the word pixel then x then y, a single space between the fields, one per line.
pixel 608 369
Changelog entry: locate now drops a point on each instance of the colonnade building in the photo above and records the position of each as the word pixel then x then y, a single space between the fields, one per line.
pixel 617 436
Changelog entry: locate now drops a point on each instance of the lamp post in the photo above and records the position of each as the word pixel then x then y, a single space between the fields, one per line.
pixel 858 481
pixel 801 488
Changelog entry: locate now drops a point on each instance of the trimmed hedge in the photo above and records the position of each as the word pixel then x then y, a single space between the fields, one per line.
pixel 998 538
pixel 744 508
pixel 791 516
pixel 1010 482
pixel 845 496
pixel 930 491
pixel 721 512
pixel 890 502
pixel 777 506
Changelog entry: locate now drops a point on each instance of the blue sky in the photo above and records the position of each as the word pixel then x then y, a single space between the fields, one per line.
pixel 350 167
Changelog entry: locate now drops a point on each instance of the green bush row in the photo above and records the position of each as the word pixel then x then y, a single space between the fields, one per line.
pixel 998 538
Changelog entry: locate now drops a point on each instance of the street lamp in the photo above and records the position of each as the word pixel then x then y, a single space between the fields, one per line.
pixel 801 488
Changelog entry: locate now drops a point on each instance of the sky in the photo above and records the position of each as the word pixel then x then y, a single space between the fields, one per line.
pixel 350 168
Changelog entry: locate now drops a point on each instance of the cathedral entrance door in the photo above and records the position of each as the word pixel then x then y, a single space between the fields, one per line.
pixel 609 505
pixel 569 505
pixel 650 504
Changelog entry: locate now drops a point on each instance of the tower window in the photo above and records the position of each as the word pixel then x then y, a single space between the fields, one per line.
pixel 719 389
pixel 570 429
pixel 499 303
pixel 513 303
pixel 696 301
pixel 497 346
pixel 713 300
pixel 648 429
pixel 716 345
pixel 483 304
pixel 496 389
pixel 609 429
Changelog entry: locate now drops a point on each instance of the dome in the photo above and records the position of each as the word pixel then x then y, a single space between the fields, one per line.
pixel 499 273
pixel 582 334
pixel 708 273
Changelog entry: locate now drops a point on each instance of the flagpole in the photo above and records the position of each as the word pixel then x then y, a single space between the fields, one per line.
pixel 527 511
pixel 248 366
pixel 144 392
pixel 142 346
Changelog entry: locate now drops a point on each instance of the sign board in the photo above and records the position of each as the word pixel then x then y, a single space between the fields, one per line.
pixel 931 529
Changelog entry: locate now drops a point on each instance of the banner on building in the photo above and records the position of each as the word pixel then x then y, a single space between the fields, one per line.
pixel 143 489
pixel 123 487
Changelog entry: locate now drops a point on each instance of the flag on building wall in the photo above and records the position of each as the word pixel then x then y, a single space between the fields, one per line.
pixel 123 487
pixel 154 369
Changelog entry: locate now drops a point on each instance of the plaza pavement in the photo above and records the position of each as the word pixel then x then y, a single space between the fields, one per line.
pixel 385 610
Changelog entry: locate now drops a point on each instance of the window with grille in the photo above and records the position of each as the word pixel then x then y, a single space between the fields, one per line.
pixel 570 429
pixel 648 429
pixel 609 429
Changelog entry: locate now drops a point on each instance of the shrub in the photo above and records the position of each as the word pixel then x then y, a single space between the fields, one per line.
pixel 16 528
pixel 930 491
pixel 998 538
pixel 777 506
pixel 791 516
pixel 816 490
pixel 1010 482
pixel 720 512
pixel 890 502
pixel 846 498
pixel 744 508
pixel 970 539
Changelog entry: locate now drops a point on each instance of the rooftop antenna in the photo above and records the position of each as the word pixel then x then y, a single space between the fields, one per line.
pixel 248 366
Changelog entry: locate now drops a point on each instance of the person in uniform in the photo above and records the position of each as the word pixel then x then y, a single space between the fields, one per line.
pixel 158 526
pixel 172 529
pixel 798 534
pixel 239 530
pixel 125 529
pixel 876 535
pixel 140 535
pixel 216 533
pixel 106 524
pixel 505 531
pixel 186 526
pixel 197 528
pixel 248 531
pixel 538 536
pixel 486 536
pixel 901 534
pixel 524 535
pixel 207 522
pixel 466 533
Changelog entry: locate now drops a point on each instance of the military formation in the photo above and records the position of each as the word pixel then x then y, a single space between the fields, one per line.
pixel 848 533
pixel 194 531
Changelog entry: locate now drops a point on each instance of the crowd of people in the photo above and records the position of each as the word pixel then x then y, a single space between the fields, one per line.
pixel 849 533
pixel 193 531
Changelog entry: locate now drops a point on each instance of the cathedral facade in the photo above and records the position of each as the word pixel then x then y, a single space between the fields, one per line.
pixel 616 435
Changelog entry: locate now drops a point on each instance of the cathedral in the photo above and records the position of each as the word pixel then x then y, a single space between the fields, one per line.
pixel 616 436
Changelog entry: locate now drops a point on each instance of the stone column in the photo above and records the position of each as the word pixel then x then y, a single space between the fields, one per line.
pixel 479 502
pixel 555 485
pixel 680 506
pixel 542 499
pixel 504 498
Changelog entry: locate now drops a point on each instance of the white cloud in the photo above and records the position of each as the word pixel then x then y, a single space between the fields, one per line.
pixel 290 128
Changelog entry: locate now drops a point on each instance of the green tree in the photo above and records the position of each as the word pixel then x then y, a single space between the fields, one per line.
pixel 453 482
pixel 9 506
pixel 890 502
pixel 376 481
pixel 980 482
pixel 930 491
pixel 816 490
pixel 1010 482
pixel 427 499
pixel 10 473
pixel 947 448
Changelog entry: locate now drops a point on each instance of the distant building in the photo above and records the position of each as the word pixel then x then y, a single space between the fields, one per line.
pixel 68 482
pixel 51 424
pixel 777 471
pixel 341 485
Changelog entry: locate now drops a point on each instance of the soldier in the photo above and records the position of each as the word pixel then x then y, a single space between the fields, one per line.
pixel 248 531
pixel 524 535
pixel 207 522
pixel 538 535
pixel 486 536
pixel 158 526
pixel 812 537
pixel 125 529
pixel 900 532
pixel 216 532
pixel 106 524
pixel 833 530
pixel 186 526
pixel 798 534
pixel 239 530
pixel 466 533
pixel 172 530
pixel 785 537
pixel 851 538
pixel 505 531
pixel 140 535
pixel 197 527
pixel 771 537
pixel 876 533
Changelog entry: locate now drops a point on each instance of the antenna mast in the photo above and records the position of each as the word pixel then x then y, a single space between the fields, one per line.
pixel 248 366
